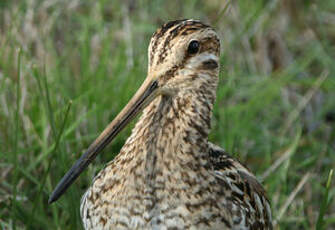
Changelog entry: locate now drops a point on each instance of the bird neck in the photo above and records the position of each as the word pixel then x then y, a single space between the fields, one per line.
pixel 173 131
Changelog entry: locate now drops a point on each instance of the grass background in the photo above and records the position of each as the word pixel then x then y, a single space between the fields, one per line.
pixel 68 67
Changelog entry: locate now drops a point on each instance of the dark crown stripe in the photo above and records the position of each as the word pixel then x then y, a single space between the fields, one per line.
pixel 168 32
pixel 161 32
pixel 173 30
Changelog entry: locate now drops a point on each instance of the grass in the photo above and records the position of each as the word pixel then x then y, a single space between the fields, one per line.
pixel 67 68
pixel 325 202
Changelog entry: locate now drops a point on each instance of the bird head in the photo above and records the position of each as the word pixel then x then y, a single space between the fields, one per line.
pixel 183 55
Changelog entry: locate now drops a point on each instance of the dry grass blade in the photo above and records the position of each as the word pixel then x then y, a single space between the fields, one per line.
pixel 291 197
pixel 287 154
pixel 304 102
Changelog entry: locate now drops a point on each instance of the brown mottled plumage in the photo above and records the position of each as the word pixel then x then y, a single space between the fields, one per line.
pixel 167 175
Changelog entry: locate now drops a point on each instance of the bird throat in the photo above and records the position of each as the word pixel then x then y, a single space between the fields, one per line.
pixel 170 139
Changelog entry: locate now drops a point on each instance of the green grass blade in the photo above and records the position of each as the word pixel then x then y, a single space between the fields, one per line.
pixel 16 139
pixel 321 224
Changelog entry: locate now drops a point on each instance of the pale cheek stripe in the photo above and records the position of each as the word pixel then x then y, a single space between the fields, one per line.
pixel 197 60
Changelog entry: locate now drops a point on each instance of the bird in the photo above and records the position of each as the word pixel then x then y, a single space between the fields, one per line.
pixel 168 175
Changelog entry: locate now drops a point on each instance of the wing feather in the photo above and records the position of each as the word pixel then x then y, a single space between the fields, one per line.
pixel 245 191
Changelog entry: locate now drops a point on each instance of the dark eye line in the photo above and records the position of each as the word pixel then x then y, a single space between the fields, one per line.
pixel 210 64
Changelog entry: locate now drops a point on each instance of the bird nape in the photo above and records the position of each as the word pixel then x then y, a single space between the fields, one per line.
pixel 168 175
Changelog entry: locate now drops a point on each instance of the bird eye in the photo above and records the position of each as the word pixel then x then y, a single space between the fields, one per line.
pixel 193 47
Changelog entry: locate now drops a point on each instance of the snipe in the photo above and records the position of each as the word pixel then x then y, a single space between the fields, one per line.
pixel 168 175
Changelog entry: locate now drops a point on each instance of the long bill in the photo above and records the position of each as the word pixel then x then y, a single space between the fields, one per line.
pixel 147 92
